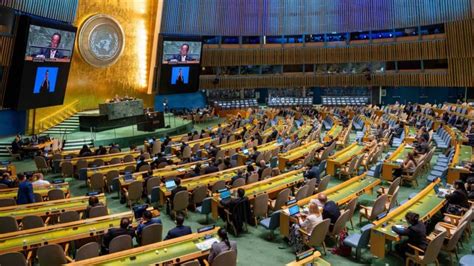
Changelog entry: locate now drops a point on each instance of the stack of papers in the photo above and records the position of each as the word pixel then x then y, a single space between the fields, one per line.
pixel 206 244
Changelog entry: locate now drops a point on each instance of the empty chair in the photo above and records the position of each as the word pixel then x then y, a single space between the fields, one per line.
pixel 134 192
pixel 218 186
pixel 340 224
pixel 115 161
pixel 151 234
pixel 119 243
pixel 271 223
pixel 89 250
pixel 156 147
pixel 252 178
pixel 81 164
pixel 97 182
pixel 8 224
pixel 226 258
pixel 316 238
pixel 281 199
pixel 146 155
pixel 31 221
pixel 152 183
pixel 38 197
pixel 41 164
pixel 311 186
pixel 392 200
pixel 69 216
pixel 7 202
pixel 129 168
pixel 191 263
pixel 128 158
pixel 98 162
pixel 98 211
pixel 260 206
pixel 302 192
pixel 389 191
pixel 56 194
pixel 14 258
pixel 266 173
pixel 67 169
pixel 109 177
pixel 144 168
pixel 428 256
pixel 198 195
pixel 205 208
pixel 181 201
pixel 323 184
pixel 52 254
pixel 359 241
pixel 350 207
pixel 371 213
pixel 451 245
pixel 238 182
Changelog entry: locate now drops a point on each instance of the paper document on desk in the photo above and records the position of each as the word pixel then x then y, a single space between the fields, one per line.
pixel 206 244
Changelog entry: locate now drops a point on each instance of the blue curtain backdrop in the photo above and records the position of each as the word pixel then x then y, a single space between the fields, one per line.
pixel 14 122
pixel 181 101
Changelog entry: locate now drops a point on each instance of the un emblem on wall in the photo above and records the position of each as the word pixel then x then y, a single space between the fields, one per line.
pixel 101 40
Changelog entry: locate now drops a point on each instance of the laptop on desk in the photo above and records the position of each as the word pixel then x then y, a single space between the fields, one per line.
pixel 128 177
pixel 294 210
pixel 170 184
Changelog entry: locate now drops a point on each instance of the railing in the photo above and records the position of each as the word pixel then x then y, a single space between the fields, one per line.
pixel 57 117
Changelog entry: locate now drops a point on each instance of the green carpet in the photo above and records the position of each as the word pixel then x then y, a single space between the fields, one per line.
pixel 253 248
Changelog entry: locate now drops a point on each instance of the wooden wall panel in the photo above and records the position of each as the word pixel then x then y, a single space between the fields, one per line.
pixel 431 49
pixel 289 17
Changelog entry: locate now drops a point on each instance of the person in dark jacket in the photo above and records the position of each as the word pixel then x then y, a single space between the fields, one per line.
pixel 6 180
pixel 313 172
pixel 93 202
pixel 175 191
pixel 255 154
pixel 330 209
pixel 141 162
pixel 180 229
pixel 25 190
pixel 239 209
pixel 459 195
pixel 124 229
pixel 85 151
pixel 416 233
pixel 212 168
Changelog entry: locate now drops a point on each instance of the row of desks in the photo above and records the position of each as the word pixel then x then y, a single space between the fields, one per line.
pixel 169 252
pixel 394 161
pixel 426 203
pixel 462 154
pixel 202 180
pixel 49 208
pixel 297 153
pixel 271 186
pixel 11 193
pixel 26 240
pixel 342 157
pixel 267 147
pixel 340 194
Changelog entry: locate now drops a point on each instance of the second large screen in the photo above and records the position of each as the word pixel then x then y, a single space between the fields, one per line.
pixel 180 65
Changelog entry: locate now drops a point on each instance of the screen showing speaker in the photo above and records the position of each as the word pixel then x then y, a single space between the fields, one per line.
pixel 181 52
pixel 49 44
pixel 41 61
pixel 181 64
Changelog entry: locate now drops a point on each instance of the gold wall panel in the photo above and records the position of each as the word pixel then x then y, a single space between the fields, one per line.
pixel 129 75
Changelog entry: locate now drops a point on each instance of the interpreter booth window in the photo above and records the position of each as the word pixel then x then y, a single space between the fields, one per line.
pixel 249 70
pixel 274 39
pixel 272 69
pixel 230 40
pixel 314 38
pixel 292 68
pixel 230 70
pixel 321 69
pixel 211 39
pixel 250 39
pixel 432 29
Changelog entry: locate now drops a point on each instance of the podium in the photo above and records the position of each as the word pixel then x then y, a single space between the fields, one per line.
pixel 118 110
